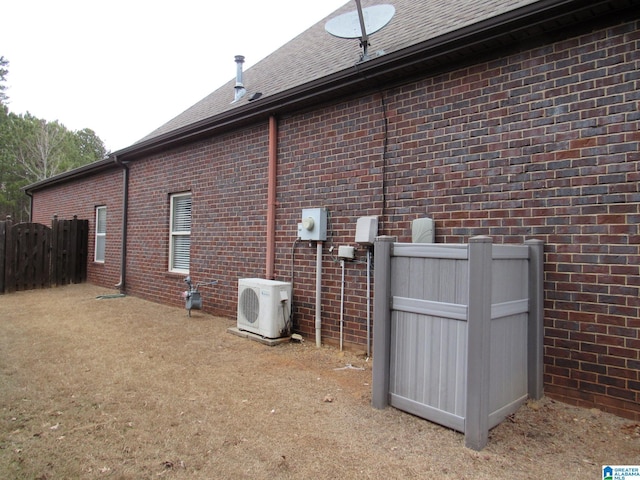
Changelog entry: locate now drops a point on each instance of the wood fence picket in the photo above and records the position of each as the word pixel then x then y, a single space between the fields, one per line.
pixel 33 255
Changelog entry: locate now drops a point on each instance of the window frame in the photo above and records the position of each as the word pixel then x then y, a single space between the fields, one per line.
pixel 100 235
pixel 177 233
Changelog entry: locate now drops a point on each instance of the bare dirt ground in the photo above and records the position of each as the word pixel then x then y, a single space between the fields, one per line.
pixel 126 389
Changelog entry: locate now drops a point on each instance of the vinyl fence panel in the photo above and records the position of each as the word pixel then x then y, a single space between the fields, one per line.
pixel 453 332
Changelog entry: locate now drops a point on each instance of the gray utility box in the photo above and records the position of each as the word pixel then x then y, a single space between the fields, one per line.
pixel 458 331
pixel 313 225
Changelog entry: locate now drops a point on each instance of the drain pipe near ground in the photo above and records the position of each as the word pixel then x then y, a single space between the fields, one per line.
pixel 271 197
pixel 125 211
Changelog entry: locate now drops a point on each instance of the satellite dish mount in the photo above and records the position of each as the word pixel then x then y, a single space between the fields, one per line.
pixel 364 39
pixel 360 24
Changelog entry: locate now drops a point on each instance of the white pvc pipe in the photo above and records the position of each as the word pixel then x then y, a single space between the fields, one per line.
pixel 318 293
pixel 342 305
pixel 368 303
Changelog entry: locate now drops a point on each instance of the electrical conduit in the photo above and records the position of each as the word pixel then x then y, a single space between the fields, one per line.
pixel 318 293
pixel 341 304
pixel 368 302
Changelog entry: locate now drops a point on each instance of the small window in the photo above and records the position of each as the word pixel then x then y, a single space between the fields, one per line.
pixel 101 233
pixel 180 238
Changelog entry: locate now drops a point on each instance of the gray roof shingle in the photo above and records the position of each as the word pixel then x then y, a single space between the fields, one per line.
pixel 314 67
pixel 315 53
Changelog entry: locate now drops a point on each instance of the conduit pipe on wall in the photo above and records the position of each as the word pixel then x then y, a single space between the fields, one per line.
pixel 341 304
pixel 318 293
pixel 125 211
pixel 271 197
pixel 368 302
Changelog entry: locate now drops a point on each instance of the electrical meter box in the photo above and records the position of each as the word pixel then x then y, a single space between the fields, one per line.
pixel 314 224
pixel 366 230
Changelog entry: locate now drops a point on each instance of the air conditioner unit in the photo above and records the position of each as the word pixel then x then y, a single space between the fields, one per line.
pixel 264 307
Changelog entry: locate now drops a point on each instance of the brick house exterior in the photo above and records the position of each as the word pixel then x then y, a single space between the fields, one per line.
pixel 103 187
pixel 525 128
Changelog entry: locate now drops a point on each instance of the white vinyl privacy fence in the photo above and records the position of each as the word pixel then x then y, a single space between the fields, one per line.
pixel 458 331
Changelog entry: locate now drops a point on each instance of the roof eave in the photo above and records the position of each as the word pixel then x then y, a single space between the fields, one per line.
pixel 80 172
pixel 506 27
pixel 522 23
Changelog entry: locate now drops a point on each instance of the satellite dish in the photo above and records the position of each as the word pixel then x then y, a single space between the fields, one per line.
pixel 348 25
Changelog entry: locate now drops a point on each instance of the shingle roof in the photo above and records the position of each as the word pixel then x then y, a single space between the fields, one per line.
pixel 314 67
pixel 315 54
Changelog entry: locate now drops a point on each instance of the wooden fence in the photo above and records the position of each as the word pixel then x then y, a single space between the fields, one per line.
pixel 458 331
pixel 33 255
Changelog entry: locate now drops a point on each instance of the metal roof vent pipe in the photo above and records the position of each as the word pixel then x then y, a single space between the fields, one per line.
pixel 239 88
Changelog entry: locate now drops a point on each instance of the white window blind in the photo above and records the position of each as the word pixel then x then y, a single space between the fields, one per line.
pixel 101 233
pixel 180 241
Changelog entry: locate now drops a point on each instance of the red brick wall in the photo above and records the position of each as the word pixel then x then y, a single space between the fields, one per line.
pixel 542 143
pixel 81 199
pixel 228 181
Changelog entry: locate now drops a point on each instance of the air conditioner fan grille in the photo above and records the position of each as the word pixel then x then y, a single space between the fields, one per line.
pixel 249 305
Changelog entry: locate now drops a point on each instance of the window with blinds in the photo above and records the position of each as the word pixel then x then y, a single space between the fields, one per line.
pixel 180 238
pixel 101 234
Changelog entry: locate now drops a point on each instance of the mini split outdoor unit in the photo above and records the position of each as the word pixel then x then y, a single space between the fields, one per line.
pixel 264 307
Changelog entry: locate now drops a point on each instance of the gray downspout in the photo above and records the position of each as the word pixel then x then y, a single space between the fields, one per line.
pixel 125 213
pixel 30 195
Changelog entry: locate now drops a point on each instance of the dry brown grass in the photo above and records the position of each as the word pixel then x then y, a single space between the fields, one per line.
pixel 126 389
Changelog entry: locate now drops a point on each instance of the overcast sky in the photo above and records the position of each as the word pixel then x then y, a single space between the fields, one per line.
pixel 123 68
